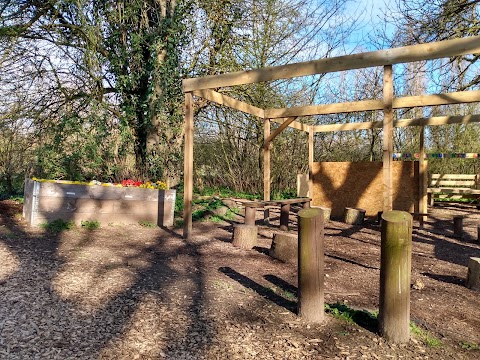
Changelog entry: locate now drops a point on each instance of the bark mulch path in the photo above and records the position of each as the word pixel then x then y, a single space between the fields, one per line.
pixel 130 292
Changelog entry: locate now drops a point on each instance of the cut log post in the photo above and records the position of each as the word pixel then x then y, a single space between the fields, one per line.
pixel 284 216
pixel 310 264
pixel 354 216
pixel 285 247
pixel 478 233
pixel 245 236
pixel 326 212
pixel 395 274
pixel 250 212
pixel 458 226
pixel 473 275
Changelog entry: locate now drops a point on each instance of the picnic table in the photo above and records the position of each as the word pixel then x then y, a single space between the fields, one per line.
pixel 252 206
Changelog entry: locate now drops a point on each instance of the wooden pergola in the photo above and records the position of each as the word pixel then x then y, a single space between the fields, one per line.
pixel 203 87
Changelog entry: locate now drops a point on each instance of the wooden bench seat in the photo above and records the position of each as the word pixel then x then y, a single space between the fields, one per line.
pixel 453 185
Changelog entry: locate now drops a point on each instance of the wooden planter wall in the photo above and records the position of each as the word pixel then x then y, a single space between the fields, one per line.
pixel 49 201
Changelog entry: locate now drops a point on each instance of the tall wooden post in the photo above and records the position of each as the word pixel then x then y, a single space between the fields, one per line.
pixel 422 178
pixel 310 264
pixel 395 273
pixel 266 169
pixel 387 136
pixel 311 149
pixel 188 168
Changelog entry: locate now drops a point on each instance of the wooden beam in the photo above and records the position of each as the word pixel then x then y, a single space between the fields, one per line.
pixel 294 124
pixel 348 126
pixel 311 159
pixel 438 120
pixel 422 179
pixel 277 131
pixel 458 97
pixel 369 105
pixel 188 168
pixel 232 103
pixel 430 121
pixel 387 137
pixel 325 109
pixel 266 161
pixel 420 52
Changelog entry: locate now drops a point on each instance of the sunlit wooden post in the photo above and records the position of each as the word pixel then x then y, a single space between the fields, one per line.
pixel 395 273
pixel 310 264
pixel 266 169
pixel 422 178
pixel 188 167
pixel 387 136
pixel 311 152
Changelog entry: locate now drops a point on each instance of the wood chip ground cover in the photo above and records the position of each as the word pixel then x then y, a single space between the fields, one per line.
pixel 129 292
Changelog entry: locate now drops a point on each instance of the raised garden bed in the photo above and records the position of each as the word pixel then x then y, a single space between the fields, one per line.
pixel 46 201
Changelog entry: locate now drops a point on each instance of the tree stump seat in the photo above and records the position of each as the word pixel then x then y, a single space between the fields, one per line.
pixel 353 216
pixel 473 275
pixel 285 247
pixel 245 236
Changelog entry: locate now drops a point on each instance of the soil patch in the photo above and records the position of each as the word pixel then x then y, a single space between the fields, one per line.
pixel 131 292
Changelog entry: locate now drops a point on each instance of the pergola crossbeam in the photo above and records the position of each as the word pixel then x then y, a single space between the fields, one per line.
pixel 278 130
pixel 230 102
pixel 406 54
pixel 459 97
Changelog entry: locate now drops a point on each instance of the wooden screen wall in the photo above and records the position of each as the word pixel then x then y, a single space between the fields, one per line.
pixel 345 184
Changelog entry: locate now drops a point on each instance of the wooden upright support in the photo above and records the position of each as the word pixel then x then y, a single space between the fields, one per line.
pixel 395 274
pixel 310 264
pixel 311 152
pixel 188 167
pixel 266 169
pixel 387 136
pixel 422 179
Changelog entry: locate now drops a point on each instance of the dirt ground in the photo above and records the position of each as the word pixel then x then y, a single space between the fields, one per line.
pixel 130 292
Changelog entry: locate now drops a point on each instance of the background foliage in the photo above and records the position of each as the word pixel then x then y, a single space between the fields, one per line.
pixel 92 89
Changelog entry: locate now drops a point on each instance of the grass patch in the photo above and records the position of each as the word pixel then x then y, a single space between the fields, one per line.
pixel 90 224
pixel 424 336
pixel 469 345
pixel 58 225
pixel 147 224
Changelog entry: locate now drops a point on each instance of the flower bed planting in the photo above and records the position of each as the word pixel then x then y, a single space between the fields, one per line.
pixel 128 202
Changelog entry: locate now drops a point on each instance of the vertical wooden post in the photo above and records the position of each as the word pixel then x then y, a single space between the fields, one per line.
pixel 311 149
pixel 284 216
pixel 422 179
pixel 387 136
pixel 188 168
pixel 310 264
pixel 458 226
pixel 395 272
pixel 266 170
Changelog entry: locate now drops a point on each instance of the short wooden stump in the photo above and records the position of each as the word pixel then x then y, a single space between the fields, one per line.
pixel 473 275
pixel 326 212
pixel 285 248
pixel 353 216
pixel 245 236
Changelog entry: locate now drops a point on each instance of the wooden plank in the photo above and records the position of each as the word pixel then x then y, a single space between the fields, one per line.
pixel 232 103
pixel 277 131
pixel 453 176
pixel 419 52
pixel 294 124
pixel 188 168
pixel 459 97
pixel 387 137
pixel 438 120
pixel 448 190
pixel 266 161
pixel 348 126
pixel 441 182
pixel 326 109
pixel 430 121
pixel 369 105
